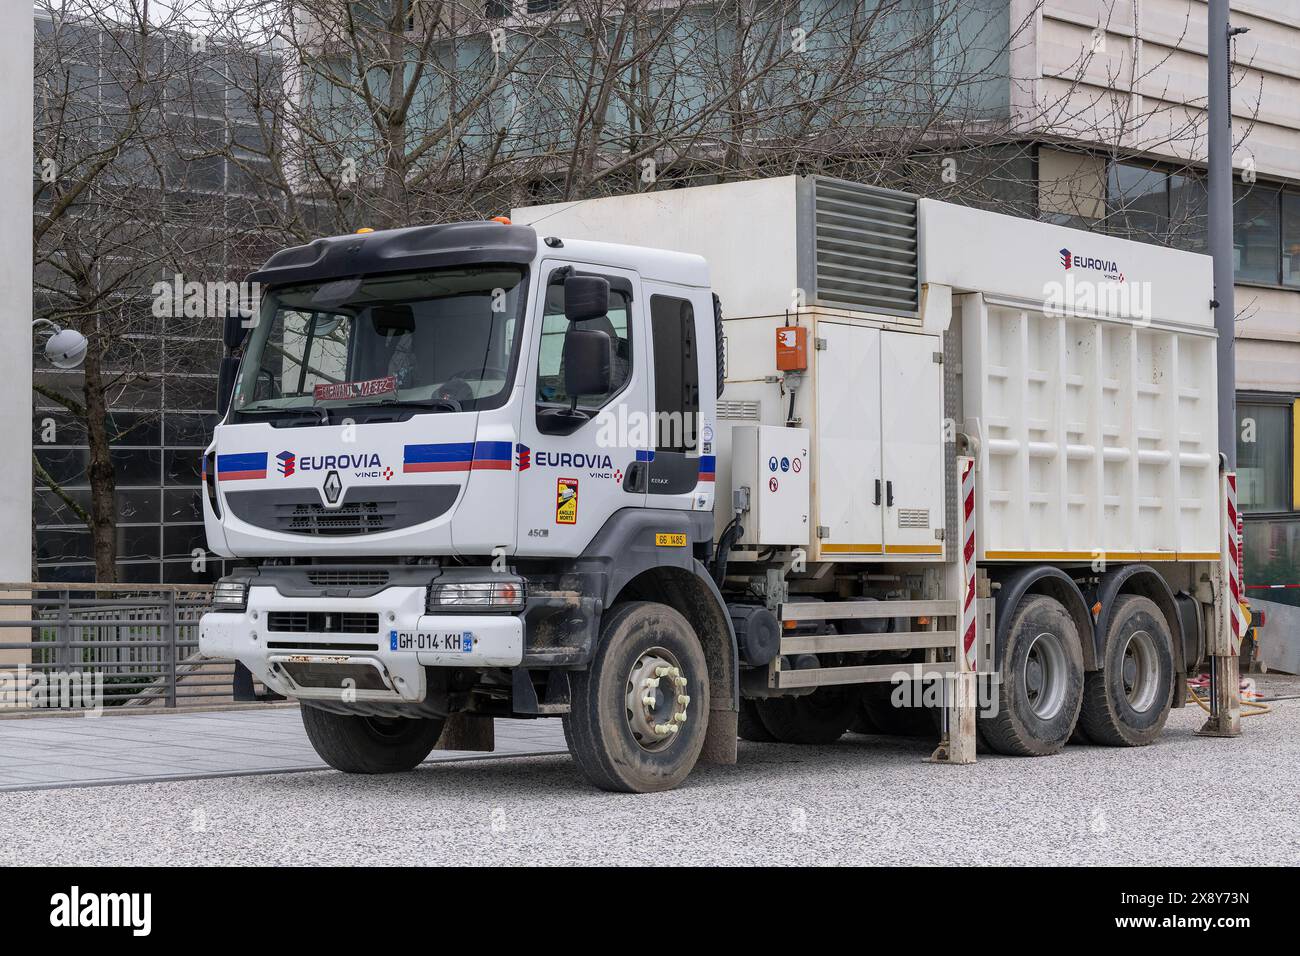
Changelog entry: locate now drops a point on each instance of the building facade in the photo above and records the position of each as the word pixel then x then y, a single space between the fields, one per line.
pixel 161 365
pixel 1135 76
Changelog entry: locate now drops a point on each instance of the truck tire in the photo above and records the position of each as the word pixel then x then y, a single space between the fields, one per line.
pixel 1126 703
pixel 356 744
pixel 749 726
pixel 1041 686
pixel 821 717
pixel 619 740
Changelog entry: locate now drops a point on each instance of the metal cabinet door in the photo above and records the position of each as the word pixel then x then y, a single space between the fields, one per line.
pixel 911 404
pixel 848 439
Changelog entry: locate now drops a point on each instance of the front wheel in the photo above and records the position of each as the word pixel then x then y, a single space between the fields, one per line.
pixel 356 744
pixel 639 713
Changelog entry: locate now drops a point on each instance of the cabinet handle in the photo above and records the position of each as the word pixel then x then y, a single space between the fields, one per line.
pixel 877 501
pixel 889 494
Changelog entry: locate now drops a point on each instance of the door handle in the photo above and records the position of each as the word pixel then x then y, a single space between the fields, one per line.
pixel 634 480
pixel 889 494
pixel 877 501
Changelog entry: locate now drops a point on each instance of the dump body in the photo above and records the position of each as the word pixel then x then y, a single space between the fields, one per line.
pixel 1077 368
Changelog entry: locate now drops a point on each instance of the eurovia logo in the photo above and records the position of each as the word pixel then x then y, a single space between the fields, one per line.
pixel 523 456
pixel 286 461
pixel 1109 268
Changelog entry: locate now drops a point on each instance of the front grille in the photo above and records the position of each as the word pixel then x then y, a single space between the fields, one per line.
pixel 348 579
pixel 364 517
pixel 365 509
pixel 322 622
pixel 323 676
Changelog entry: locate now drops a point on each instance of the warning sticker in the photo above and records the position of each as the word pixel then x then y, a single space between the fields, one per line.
pixel 566 501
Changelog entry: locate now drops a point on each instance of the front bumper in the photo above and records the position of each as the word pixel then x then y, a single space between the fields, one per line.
pixel 356 648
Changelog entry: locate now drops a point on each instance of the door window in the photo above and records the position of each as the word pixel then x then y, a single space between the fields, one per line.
pixel 677 373
pixel 550 360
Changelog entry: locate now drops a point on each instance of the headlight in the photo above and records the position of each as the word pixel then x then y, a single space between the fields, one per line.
pixel 230 595
pixel 504 595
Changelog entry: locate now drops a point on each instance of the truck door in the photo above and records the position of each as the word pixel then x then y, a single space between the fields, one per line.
pixel 575 470
pixel 912 429
pixel 677 469
pixel 847 468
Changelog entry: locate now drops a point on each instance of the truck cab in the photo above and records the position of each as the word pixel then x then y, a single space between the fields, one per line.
pixel 448 449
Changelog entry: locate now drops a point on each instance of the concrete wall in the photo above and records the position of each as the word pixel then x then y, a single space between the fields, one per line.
pixel 15 291
pixel 1151 63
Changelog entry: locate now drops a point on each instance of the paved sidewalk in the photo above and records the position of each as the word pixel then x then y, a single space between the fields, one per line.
pixel 44 752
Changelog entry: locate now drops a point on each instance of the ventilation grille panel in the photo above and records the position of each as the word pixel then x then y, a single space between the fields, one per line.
pixel 866 248
pixel 738 410
pixel 914 517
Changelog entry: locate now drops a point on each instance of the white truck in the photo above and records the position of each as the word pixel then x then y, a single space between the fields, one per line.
pixel 749 459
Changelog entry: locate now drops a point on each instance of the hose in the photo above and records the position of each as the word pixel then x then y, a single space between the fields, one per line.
pixel 730 533
pixel 1259 709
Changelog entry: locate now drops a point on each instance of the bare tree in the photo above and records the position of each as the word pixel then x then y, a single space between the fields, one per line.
pixel 123 199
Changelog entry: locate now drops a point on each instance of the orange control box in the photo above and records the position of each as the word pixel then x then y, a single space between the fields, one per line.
pixel 791 348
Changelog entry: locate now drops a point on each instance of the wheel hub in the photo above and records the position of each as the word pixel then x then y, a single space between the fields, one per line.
pixel 1045 675
pixel 657 701
pixel 1139 671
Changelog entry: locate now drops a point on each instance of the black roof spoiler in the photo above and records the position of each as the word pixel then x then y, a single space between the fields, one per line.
pixel 400 250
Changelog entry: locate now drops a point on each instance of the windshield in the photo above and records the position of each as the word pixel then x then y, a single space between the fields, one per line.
pixel 445 338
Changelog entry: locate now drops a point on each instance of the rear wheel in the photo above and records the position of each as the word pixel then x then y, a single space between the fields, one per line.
pixel 821 717
pixel 639 713
pixel 357 744
pixel 1126 703
pixel 1041 681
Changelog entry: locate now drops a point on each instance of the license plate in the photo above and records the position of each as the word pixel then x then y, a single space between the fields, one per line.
pixel 446 642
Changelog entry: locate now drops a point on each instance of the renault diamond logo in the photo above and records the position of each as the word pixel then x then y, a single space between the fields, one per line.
pixel 333 487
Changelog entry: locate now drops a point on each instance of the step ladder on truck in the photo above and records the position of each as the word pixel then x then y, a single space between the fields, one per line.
pixel 777 459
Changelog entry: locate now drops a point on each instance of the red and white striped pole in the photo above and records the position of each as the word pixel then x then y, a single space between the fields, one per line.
pixel 958 743
pixel 1230 621
pixel 970 650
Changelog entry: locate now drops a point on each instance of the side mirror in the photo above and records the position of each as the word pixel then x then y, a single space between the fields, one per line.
pixel 585 297
pixel 588 360
pixel 235 329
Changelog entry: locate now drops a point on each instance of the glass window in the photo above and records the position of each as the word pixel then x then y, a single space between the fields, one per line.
pixel 1263 456
pixel 677 375
pixel 1255 238
pixel 1291 239
pixel 1271 555
pixel 550 359
pixel 1137 202
pixel 436 338
pixel 1188 213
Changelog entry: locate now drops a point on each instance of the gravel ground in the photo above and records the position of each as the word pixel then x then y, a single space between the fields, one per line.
pixel 865 800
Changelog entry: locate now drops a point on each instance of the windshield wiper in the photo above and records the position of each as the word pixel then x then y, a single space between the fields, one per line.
pixel 443 404
pixel 322 415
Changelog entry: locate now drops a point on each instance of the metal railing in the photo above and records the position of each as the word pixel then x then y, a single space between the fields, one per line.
pixel 92 646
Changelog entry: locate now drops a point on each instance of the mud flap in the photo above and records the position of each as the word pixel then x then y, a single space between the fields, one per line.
pixel 720 738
